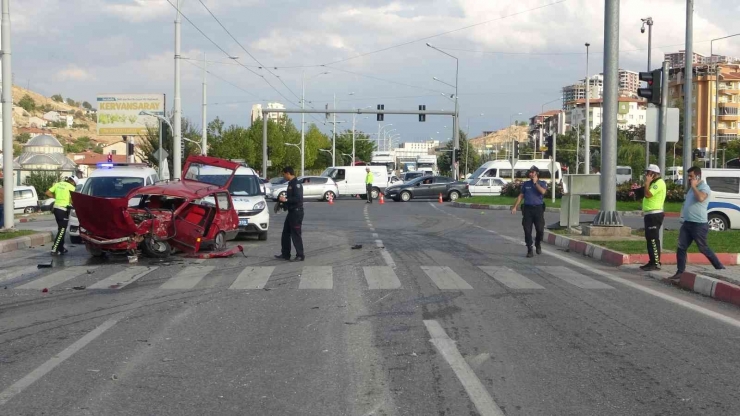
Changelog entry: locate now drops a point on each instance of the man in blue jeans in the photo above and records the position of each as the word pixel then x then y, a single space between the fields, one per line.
pixel 695 224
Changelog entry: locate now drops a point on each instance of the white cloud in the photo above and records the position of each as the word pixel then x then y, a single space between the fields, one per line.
pixel 73 73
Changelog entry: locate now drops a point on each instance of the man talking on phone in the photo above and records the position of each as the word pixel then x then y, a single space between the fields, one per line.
pixel 652 211
pixel 533 210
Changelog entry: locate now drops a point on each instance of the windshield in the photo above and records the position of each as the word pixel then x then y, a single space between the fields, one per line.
pixel 624 171
pixel 327 172
pixel 111 186
pixel 478 173
pixel 242 185
pixel 213 175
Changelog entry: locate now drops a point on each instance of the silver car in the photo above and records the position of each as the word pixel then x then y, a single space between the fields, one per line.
pixel 314 187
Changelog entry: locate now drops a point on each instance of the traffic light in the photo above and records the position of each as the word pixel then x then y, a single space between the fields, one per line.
pixel 455 155
pixel 652 92
pixel 698 154
pixel 422 117
pixel 380 116
pixel 516 149
pixel 548 144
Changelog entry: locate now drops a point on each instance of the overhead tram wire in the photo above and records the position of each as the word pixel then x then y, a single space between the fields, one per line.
pixel 228 54
pixel 225 80
pixel 384 80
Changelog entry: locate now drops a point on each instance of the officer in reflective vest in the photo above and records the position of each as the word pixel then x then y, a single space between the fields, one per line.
pixel 653 215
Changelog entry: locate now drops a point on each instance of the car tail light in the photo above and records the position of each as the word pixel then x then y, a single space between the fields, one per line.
pixel 197 244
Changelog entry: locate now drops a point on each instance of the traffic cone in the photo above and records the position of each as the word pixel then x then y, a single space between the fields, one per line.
pixel 331 199
pixel 382 200
pixel 440 198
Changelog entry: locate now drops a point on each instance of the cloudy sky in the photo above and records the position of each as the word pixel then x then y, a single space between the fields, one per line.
pixel 514 55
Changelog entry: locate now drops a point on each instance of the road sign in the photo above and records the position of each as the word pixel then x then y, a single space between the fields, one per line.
pixel 160 154
pixel 269 163
pixel 653 121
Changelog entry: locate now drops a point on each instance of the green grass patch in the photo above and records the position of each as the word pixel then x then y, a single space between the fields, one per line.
pixel 585 203
pixel 14 234
pixel 719 242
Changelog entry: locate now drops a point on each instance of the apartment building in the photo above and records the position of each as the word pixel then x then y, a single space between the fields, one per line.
pixel 707 99
pixel 632 112
pixel 678 59
pixel 257 112
pixel 629 82
pixel 549 123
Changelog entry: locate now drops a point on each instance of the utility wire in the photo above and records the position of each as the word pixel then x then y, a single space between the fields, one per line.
pixel 385 80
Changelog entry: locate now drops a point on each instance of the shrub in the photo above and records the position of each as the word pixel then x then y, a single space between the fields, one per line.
pixel 42 181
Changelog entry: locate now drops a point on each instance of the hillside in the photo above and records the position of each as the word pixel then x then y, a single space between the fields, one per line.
pixel 45 104
pixel 500 136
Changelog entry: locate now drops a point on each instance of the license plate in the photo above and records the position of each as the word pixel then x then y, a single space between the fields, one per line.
pixel 243 222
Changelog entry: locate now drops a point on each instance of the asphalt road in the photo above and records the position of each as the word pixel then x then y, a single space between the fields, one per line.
pixel 438 313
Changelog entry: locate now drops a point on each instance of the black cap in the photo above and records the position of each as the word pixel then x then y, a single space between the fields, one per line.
pixel 534 169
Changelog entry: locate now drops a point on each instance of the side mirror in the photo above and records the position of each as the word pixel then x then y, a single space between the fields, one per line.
pixel 418 183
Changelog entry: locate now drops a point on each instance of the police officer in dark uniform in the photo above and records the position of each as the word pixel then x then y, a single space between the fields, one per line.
pixel 533 210
pixel 293 202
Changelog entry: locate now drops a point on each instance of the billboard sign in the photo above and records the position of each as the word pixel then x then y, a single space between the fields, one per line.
pixel 125 114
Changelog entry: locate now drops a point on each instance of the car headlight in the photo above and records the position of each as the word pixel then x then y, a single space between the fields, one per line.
pixel 259 206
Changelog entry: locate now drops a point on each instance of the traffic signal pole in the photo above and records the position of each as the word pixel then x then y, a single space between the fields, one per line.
pixel 688 92
pixel 7 129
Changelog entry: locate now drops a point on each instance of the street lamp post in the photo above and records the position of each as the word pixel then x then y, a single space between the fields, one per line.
pixel 327 151
pixel 297 147
pixel 649 22
pixel 381 128
pixel 467 143
pixel 511 156
pixel 587 130
pixel 455 125
pixel 713 147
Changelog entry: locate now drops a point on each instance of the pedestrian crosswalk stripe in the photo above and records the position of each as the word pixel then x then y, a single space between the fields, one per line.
pixel 381 277
pixel 574 278
pixel 445 278
pixel 252 277
pixel 57 278
pixel 123 278
pixel 509 278
pixel 317 277
pixel 188 278
pixel 12 274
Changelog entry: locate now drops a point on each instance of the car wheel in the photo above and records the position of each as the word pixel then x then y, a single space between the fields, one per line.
pixel 75 239
pixel 375 193
pixel 29 210
pixel 329 194
pixel 156 249
pixel 405 196
pixel 94 251
pixel 718 222
pixel 219 243
pixel 262 236
pixel 454 195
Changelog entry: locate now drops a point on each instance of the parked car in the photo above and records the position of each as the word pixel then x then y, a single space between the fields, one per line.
pixel 350 180
pixel 486 186
pixel 408 176
pixel 25 199
pixel 427 187
pixel 724 201
pixel 314 187
pixel 456 190
pixel 111 181
pixel 188 215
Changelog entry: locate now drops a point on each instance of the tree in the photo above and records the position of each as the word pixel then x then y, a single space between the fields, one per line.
pixel 23 138
pixel 444 160
pixel 149 143
pixel 43 180
pixel 58 98
pixel 522 124
pixel 86 105
pixel 364 146
pixel 71 102
pixel 27 103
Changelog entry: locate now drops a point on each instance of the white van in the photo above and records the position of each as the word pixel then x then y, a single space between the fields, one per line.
pixel 351 179
pixel 502 169
pixel 624 174
pixel 25 199
pixel 247 193
pixel 112 181
pixel 673 173
pixel 724 201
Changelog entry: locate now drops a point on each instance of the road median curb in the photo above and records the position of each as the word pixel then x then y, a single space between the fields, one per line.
pixel 704 285
pixel 583 211
pixel 28 241
pixel 616 258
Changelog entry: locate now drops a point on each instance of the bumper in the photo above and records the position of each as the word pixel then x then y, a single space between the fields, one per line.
pixel 74 226
pixel 258 223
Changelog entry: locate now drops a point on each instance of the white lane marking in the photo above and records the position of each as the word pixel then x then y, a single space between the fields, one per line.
pixel 317 277
pixel 57 278
pixel 379 243
pixel 388 259
pixel 574 278
pixel 123 278
pixel 370 225
pixel 509 278
pixel 253 278
pixel 10 275
pixel 54 361
pixel 381 277
pixel 445 278
pixel 375 235
pixel 372 229
pixel 476 390
pixel 560 256
pixel 188 278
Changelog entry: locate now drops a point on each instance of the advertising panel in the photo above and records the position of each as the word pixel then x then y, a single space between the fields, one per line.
pixel 126 114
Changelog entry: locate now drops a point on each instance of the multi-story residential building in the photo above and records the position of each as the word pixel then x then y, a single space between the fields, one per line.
pixel 632 112
pixel 678 59
pixel 629 82
pixel 546 124
pixel 257 112
pixel 574 92
pixel 706 98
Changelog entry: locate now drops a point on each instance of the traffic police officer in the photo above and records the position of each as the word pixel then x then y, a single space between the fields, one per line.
pixel 369 185
pixel 652 211
pixel 62 194
pixel 533 210
pixel 293 202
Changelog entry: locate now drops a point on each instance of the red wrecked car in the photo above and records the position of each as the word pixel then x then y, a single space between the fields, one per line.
pixel 188 215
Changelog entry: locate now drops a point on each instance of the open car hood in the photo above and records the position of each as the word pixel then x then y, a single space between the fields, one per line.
pixel 103 217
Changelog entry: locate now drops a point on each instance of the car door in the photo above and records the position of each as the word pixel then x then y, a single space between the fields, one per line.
pixel 481 187
pixel 424 189
pixel 340 177
pixel 496 186
pixel 439 186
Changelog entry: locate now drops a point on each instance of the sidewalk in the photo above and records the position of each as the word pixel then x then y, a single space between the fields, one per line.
pixel 20 243
pixel 549 209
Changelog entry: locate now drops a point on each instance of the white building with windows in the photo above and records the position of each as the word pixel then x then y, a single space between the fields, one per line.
pixel 632 112
pixel 257 112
